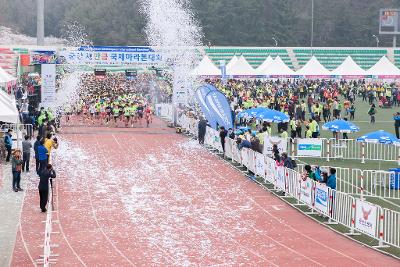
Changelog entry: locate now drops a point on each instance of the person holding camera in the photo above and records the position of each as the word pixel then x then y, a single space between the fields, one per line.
pixel 46 174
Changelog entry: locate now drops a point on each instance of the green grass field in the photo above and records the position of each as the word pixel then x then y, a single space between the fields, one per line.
pixel 384 121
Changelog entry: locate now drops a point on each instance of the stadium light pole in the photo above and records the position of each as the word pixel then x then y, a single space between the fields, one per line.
pixel 377 40
pixel 312 26
pixel 40 22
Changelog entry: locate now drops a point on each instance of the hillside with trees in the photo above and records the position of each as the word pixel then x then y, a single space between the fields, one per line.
pixel 224 22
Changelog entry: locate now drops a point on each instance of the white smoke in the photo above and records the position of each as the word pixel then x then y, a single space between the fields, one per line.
pixel 172 27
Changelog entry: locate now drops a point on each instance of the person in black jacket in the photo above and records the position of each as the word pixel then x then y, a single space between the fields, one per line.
pixel 202 130
pixel 45 175
pixel 222 135
pixel 35 148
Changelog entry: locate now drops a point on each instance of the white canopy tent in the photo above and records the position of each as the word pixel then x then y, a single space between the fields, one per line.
pixel 8 109
pixel 268 61
pixel 241 68
pixel 278 68
pixel 348 68
pixel 206 68
pixel 313 68
pixel 384 68
pixel 232 62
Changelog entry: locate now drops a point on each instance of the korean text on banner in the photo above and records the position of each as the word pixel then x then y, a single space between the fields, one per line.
pixel 270 141
pixel 306 191
pixel 309 148
pixel 366 217
pixel 109 55
pixel 321 198
pixel 48 90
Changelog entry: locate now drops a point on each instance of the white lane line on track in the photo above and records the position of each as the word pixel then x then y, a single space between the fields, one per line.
pixel 62 230
pixel 20 228
pixel 223 232
pixel 216 229
pixel 273 239
pixel 60 224
pixel 95 216
pixel 298 232
pixel 161 249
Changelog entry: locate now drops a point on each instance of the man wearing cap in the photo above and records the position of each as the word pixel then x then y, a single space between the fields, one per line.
pixel 46 174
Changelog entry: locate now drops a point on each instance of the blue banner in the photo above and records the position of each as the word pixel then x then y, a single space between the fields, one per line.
pixel 201 93
pixel 219 108
pixel 134 49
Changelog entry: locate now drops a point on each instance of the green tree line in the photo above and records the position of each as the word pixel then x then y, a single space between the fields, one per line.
pixel 224 22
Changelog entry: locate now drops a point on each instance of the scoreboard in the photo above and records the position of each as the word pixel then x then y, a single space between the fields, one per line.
pixel 389 21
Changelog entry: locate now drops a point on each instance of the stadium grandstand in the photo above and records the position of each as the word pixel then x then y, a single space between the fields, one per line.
pixel 294 57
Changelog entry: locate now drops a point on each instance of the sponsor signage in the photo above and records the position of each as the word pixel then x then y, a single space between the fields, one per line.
pixel 110 55
pixel 366 217
pixel 48 88
pixel 309 147
pixel 270 141
pixel 306 191
pixel 321 198
pixel 260 164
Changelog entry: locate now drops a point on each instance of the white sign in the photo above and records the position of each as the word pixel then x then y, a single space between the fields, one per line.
pixel 48 89
pixel 270 170
pixel 260 164
pixel 111 56
pixel 306 191
pixel 321 198
pixel 366 217
pixel 270 141
pixel 245 156
pixel 309 147
pixel 280 177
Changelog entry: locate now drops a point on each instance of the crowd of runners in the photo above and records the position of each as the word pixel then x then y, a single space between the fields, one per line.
pixel 115 101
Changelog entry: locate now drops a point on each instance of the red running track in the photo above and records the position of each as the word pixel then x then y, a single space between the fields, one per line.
pixel 150 197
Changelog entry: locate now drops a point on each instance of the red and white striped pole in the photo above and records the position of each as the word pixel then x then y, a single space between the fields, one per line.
pixel 353 220
pixel 362 185
pixel 381 222
pixel 363 152
pixel 328 149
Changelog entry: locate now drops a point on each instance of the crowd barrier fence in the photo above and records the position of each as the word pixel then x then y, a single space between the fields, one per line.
pixel 339 207
pixel 349 149
pixel 391 230
pixel 370 183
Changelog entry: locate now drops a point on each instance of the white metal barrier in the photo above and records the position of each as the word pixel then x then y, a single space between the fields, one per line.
pixel 353 150
pixel 371 183
pixel 48 231
pixel 342 209
pixel 339 206
pixel 391 228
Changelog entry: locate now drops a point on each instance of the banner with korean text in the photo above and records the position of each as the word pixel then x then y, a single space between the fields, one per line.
pixel 366 217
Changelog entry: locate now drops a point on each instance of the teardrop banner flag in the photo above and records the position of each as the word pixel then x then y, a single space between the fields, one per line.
pixel 219 108
pixel 200 95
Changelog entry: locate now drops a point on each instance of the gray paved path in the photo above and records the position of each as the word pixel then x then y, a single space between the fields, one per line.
pixel 10 209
